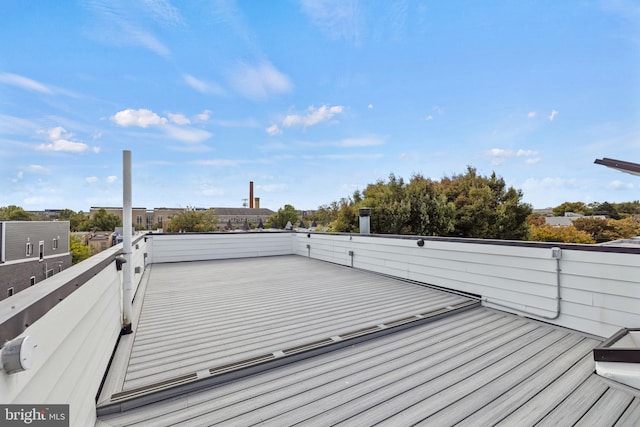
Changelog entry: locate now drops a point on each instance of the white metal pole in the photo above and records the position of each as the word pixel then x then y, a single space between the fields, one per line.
pixel 127 230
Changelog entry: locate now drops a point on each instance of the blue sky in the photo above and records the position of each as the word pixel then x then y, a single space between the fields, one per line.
pixel 313 99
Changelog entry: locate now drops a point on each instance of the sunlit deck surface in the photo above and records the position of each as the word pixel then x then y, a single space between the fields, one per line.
pixel 460 363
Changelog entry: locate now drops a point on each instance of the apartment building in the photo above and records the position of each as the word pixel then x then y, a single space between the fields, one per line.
pixel 30 252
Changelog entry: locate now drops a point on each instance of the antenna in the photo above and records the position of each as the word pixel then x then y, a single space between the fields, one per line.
pixel 244 203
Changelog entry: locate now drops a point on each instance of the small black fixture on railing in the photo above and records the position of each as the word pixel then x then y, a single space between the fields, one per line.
pixel 421 242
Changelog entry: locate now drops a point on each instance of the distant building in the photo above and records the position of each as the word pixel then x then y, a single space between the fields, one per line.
pixel 567 219
pixel 237 216
pixel 31 251
pixel 159 218
pixel 97 241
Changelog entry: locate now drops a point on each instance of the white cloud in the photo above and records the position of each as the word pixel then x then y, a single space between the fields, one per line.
pixel 258 82
pixel 91 179
pixel 274 130
pixel 273 188
pixel 60 141
pixel 219 162
pixel 24 83
pixel 179 119
pixel 345 156
pixel 526 153
pixel 313 116
pixel 553 115
pixel 212 191
pixel 620 185
pixel 163 12
pixel 38 169
pixel 187 135
pixel 361 142
pixel 204 116
pixel 111 179
pixel 429 117
pixel 337 19
pixel 532 161
pixel 140 118
pixel 500 155
pixel 121 24
pixel 202 86
pixel 549 183
pixel 531 114
pixel 370 106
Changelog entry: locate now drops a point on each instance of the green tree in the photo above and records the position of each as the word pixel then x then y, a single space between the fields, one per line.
pixel 606 209
pixel 193 221
pixel 79 250
pixel 14 213
pixel 102 220
pixel 568 234
pixel 285 214
pixel 77 220
pixel 431 214
pixel 326 214
pixel 485 208
pixel 390 210
pixel 575 207
pixel 347 218
pixel 628 208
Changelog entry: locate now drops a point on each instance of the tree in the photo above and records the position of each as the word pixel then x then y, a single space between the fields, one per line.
pixel 347 218
pixel 568 234
pixel 390 210
pixel 193 221
pixel 431 214
pixel 605 209
pixel 575 207
pixel 14 213
pixel 77 221
pixel 485 208
pixel 285 214
pixel 103 221
pixel 79 250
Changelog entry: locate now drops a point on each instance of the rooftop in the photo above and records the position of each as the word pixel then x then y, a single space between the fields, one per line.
pixel 286 339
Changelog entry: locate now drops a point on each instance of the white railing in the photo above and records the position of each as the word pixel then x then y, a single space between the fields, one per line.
pixel 75 338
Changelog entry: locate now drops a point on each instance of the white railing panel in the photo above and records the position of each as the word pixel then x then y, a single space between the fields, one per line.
pixel 74 340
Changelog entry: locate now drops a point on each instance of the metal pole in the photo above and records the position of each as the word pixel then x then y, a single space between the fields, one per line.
pixel 127 230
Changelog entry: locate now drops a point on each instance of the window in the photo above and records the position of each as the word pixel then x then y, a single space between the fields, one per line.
pixel 29 250
pixel 41 250
pixel 55 244
pixel 9 292
pixel 139 220
pixel 32 280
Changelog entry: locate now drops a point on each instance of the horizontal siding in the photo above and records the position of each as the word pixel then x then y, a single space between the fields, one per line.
pixel 74 341
pixel 600 290
pixel 18 233
pixel 201 247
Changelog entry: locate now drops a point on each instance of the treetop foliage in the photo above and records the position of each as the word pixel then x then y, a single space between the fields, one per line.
pixel 191 221
pixel 465 205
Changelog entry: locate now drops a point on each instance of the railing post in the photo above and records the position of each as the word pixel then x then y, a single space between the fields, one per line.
pixel 127 230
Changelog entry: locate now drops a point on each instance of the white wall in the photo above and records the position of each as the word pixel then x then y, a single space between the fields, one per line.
pixel 75 340
pixel 198 247
pixel 600 290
